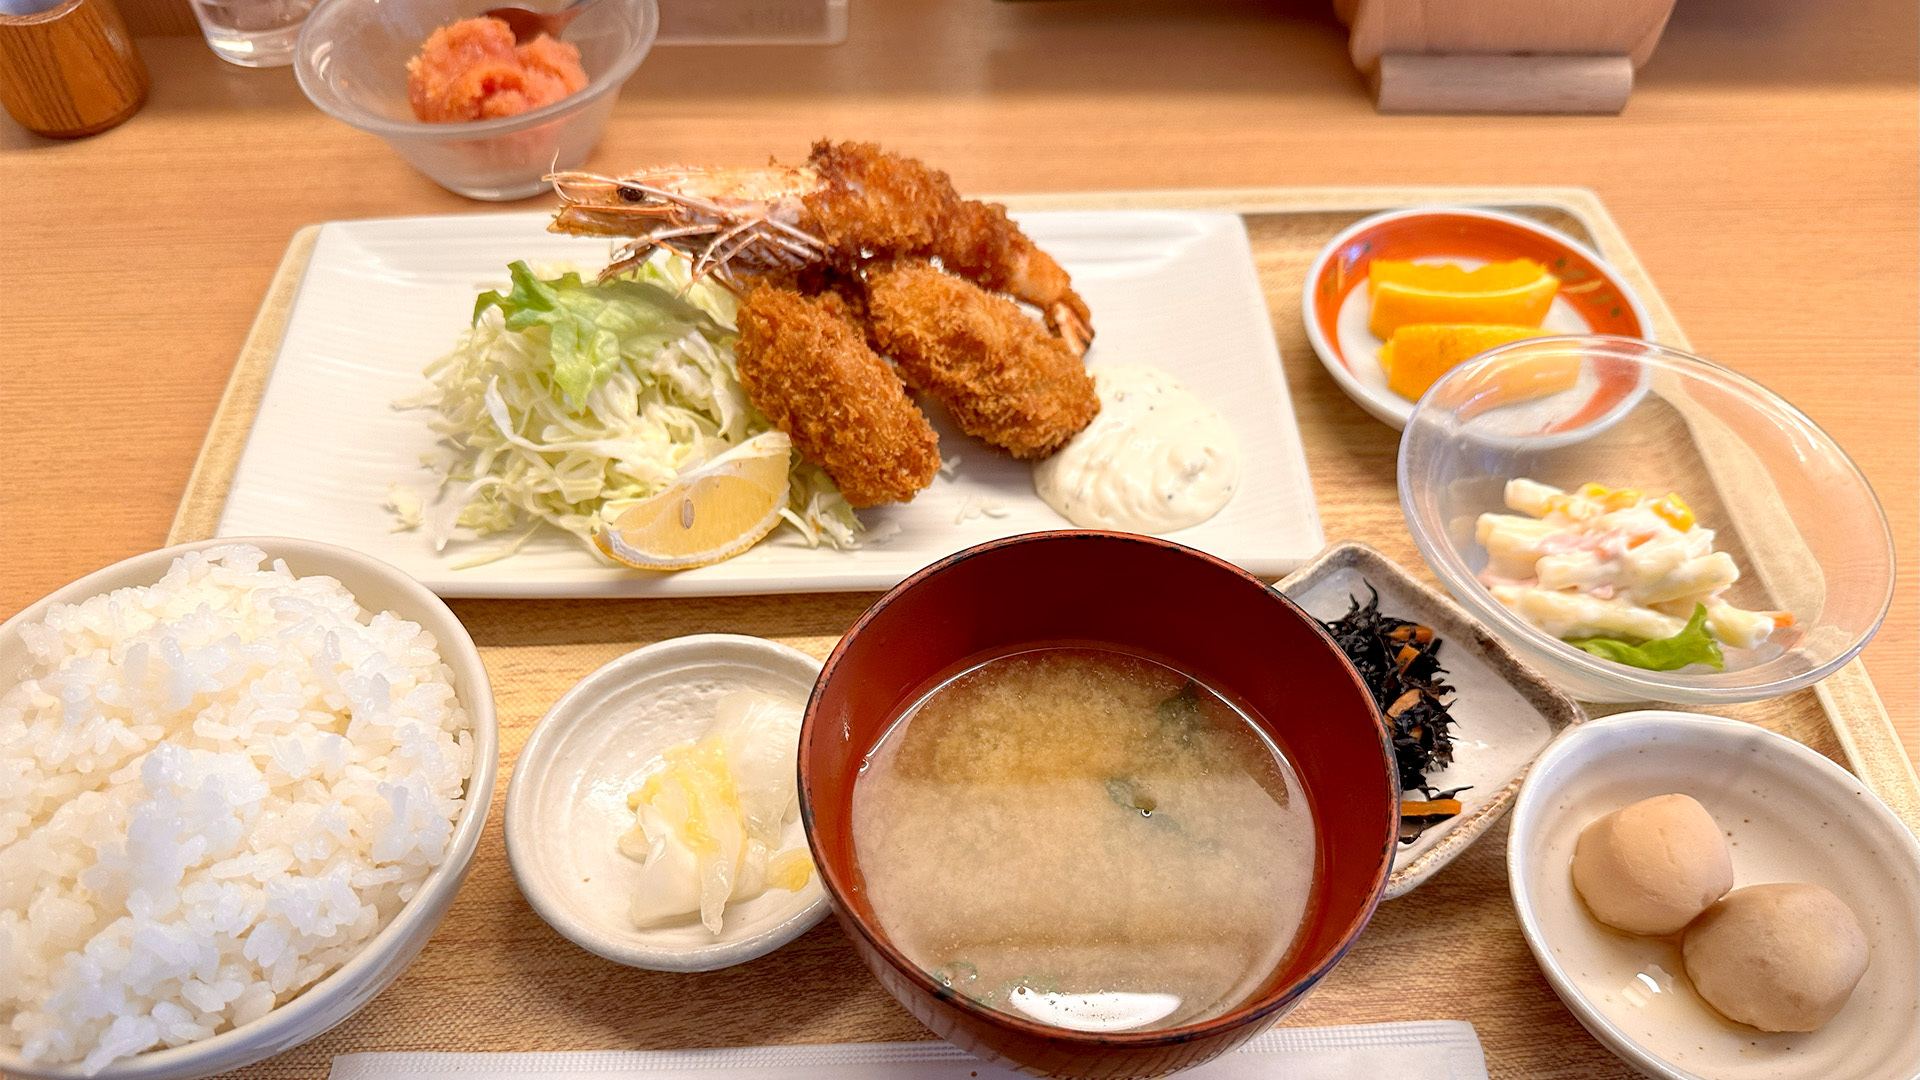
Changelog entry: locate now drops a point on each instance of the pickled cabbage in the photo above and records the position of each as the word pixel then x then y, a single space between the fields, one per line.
pixel 710 816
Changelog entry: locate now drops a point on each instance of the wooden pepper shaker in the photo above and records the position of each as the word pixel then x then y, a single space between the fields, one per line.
pixel 70 70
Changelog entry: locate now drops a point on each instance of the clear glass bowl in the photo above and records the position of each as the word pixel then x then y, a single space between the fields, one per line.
pixel 1783 499
pixel 351 60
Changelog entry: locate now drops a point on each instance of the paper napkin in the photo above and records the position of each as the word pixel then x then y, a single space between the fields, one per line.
pixel 1427 1050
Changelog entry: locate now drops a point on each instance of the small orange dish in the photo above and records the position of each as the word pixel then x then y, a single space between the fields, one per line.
pixel 1435 281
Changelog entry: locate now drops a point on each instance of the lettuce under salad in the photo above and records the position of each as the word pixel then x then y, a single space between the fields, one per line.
pixel 1692 645
pixel 569 400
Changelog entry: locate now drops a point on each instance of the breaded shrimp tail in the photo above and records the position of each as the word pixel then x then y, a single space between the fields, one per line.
pixel 877 204
pixel 1004 378
pixel 805 364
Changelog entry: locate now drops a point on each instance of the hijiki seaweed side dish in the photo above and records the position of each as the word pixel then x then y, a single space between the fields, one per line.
pixel 1400 663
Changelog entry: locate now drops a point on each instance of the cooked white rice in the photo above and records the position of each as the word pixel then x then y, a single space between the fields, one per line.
pixel 213 791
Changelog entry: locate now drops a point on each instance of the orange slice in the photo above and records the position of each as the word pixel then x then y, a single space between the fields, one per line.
pixel 1516 293
pixel 1416 356
pixel 711 513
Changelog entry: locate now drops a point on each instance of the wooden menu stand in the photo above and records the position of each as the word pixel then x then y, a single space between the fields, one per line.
pixel 1502 56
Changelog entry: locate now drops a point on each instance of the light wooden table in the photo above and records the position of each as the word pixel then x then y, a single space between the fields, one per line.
pixel 1766 171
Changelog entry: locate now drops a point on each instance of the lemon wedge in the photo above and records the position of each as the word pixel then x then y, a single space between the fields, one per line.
pixel 711 513
pixel 1516 293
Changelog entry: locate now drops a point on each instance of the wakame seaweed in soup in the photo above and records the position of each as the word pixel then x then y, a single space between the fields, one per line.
pixel 1085 838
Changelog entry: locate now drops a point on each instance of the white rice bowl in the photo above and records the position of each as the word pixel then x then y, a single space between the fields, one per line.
pixel 213 792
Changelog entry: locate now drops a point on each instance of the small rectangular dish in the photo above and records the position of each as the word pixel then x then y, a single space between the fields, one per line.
pixel 1504 712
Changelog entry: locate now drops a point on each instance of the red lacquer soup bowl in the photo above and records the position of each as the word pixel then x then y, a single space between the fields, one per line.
pixel 1134 594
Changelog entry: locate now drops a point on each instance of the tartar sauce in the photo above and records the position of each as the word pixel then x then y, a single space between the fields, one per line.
pixel 1156 459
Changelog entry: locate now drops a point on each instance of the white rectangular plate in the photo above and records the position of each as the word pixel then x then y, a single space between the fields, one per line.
pixel 381 299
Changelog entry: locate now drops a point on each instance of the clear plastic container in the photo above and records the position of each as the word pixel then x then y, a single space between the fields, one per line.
pixel 352 62
pixel 1800 521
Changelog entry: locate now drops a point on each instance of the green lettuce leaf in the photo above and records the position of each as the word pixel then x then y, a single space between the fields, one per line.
pixel 1692 645
pixel 590 327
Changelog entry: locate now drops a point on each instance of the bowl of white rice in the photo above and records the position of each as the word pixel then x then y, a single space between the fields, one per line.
pixel 240 783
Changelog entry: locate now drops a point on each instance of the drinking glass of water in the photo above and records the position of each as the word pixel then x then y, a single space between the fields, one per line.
pixel 252 33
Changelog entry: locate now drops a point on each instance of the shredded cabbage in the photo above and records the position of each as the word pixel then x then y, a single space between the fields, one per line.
pixel 568 401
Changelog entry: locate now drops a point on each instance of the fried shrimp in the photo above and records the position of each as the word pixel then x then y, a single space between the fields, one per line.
pixel 1004 378
pixel 893 206
pixel 804 362
pixel 850 204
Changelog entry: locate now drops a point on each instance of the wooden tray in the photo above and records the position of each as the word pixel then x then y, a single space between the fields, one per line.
pixel 496 978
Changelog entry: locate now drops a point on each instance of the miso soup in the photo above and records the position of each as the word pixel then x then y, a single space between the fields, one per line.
pixel 1085 838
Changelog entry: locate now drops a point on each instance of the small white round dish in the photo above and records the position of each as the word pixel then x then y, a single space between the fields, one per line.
pixel 1790 815
pixel 1594 297
pixel 567 801
pixel 377 587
